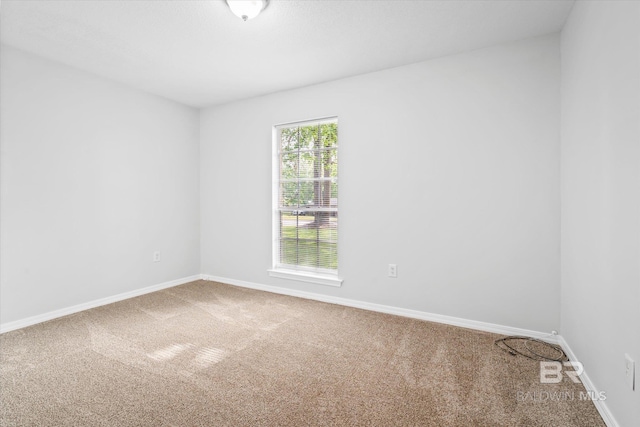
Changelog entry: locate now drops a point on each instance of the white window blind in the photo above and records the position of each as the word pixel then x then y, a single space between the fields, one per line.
pixel 306 197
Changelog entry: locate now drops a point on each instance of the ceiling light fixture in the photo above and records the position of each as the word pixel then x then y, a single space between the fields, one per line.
pixel 247 9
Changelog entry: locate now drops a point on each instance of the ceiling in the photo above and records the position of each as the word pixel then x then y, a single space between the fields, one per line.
pixel 200 54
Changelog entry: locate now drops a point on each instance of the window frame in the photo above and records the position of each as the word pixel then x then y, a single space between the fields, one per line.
pixel 301 273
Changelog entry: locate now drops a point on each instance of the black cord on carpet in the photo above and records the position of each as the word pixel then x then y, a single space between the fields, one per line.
pixel 521 346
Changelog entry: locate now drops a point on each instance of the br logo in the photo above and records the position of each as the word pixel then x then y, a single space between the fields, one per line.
pixel 551 372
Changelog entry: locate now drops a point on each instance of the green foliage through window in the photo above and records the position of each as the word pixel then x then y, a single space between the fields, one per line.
pixel 308 195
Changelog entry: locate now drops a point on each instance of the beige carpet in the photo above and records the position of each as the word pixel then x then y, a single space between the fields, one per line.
pixel 208 354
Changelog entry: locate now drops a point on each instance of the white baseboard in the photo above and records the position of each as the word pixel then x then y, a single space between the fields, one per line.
pixel 601 405
pixel 414 314
pixel 23 323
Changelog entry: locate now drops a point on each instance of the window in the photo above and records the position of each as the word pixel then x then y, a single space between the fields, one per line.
pixel 305 201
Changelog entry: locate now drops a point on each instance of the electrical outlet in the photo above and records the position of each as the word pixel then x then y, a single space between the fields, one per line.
pixel 393 270
pixel 156 256
pixel 630 371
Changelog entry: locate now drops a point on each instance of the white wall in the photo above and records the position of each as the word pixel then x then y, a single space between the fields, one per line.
pixel 601 196
pixel 94 178
pixel 449 168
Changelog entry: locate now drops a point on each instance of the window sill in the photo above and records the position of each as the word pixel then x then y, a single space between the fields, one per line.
pixel 305 276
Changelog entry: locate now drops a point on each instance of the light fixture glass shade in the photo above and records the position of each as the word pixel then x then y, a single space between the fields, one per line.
pixel 246 9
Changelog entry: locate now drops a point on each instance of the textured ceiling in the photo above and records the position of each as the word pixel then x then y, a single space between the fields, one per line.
pixel 199 54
